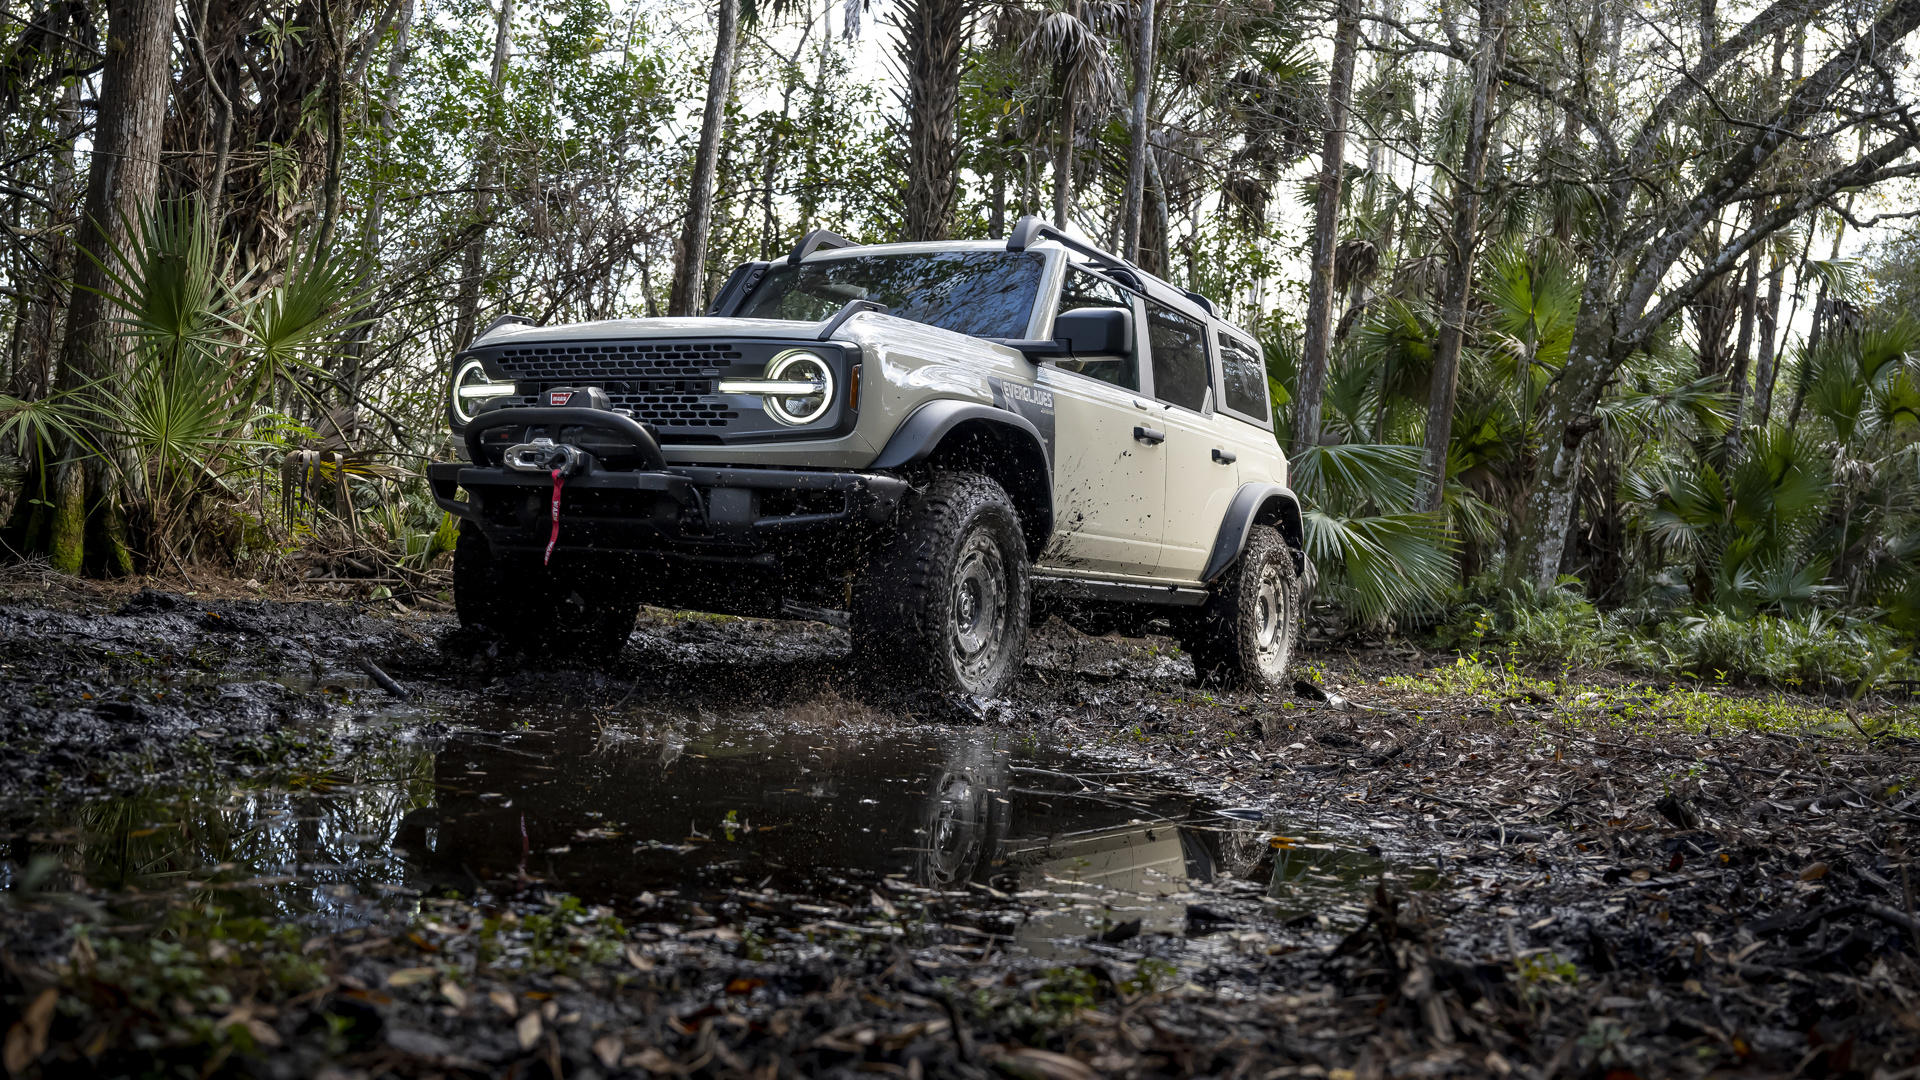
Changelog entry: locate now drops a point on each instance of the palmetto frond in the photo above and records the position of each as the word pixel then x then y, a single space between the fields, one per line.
pixel 1350 476
pixel 1381 565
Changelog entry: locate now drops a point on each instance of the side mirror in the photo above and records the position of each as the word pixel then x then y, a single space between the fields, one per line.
pixel 1095 331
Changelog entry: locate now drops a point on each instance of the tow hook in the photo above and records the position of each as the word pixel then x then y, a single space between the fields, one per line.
pixel 558 460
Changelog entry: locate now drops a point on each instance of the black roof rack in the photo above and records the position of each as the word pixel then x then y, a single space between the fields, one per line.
pixel 814 241
pixel 1031 228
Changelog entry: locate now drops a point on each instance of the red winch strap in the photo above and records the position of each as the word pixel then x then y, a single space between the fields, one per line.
pixel 554 538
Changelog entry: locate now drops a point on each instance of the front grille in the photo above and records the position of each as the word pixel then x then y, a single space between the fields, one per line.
pixel 669 384
pixel 617 360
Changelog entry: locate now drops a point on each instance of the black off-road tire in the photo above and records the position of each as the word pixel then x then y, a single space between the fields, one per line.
pixel 1246 635
pixel 558 614
pixel 944 603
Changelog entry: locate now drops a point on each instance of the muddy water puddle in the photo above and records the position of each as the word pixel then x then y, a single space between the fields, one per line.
pixel 757 823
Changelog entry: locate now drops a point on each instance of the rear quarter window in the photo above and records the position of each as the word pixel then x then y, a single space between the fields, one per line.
pixel 1244 378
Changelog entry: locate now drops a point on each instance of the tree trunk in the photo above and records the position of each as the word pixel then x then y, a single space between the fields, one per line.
pixel 33 376
pixel 1465 238
pixel 929 51
pixel 376 203
pixel 123 177
pixel 336 131
pixel 1769 318
pixel 467 304
pixel 1153 221
pixel 1135 201
pixel 689 272
pixel 1312 385
pixel 1063 160
pixel 1743 349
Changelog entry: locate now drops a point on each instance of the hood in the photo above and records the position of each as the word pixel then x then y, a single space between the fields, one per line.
pixel 632 329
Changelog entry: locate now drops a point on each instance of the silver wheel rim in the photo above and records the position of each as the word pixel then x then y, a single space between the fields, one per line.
pixel 977 608
pixel 1273 614
pixel 954 830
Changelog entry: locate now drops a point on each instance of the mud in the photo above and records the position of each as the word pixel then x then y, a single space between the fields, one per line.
pixel 229 850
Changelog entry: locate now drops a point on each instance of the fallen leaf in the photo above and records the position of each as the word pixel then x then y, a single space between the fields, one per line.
pixel 504 1002
pixel 1814 873
pixel 412 976
pixel 454 995
pixel 745 986
pixel 27 1039
pixel 641 961
pixel 1030 1064
pixel 528 1030
pixel 607 1049
pixel 1641 874
pixel 652 1060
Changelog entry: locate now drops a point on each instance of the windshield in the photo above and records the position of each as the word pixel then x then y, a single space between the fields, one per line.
pixel 982 293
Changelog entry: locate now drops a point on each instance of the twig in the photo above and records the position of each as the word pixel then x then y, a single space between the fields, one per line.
pixel 384 680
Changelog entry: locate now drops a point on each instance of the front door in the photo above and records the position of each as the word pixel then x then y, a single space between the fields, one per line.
pixel 1109 487
pixel 1202 474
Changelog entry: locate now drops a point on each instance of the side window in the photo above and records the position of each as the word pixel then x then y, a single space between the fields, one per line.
pixel 1083 290
pixel 1245 391
pixel 1179 357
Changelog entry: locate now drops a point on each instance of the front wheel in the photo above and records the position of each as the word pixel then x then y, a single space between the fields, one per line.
pixel 944 603
pixel 1246 634
pixel 565 615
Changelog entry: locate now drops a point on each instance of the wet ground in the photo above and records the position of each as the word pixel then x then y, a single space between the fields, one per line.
pixel 228 848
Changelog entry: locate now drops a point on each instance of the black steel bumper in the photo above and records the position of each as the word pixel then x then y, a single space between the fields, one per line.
pixel 689 510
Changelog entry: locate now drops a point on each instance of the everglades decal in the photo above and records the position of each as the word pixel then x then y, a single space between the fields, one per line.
pixel 1033 402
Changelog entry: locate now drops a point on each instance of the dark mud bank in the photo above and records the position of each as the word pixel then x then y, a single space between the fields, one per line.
pixel 100 700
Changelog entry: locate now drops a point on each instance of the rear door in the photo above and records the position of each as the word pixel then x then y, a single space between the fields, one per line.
pixel 1109 488
pixel 1202 470
pixel 1244 399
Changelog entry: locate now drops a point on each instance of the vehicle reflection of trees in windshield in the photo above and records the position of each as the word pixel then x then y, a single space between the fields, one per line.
pixel 982 293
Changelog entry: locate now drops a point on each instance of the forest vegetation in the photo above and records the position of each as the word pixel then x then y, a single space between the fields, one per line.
pixel 1592 324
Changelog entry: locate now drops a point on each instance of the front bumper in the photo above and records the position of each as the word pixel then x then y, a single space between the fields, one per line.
pixel 693 512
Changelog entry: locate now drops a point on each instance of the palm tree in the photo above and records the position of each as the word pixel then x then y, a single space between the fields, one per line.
pixel 1071 46
pixel 931 33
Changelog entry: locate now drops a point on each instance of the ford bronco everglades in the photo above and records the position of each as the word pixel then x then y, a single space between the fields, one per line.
pixel 935 445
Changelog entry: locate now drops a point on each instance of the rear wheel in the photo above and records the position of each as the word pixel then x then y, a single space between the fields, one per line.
pixel 944 603
pixel 1246 634
pixel 569 615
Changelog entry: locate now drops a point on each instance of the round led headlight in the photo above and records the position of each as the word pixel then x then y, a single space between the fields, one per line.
pixel 473 388
pixel 800 366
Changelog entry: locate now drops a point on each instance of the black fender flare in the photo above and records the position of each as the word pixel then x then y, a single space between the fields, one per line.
pixel 1257 504
pixel 1025 469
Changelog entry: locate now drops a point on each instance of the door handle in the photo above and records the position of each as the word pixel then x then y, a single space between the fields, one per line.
pixel 1149 435
pixel 1224 457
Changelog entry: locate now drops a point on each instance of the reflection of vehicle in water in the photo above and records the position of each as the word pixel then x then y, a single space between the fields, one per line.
pixel 965 818
pixel 788 810
pixel 1151 860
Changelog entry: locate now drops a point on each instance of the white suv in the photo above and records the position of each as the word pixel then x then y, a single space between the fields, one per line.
pixel 935 445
